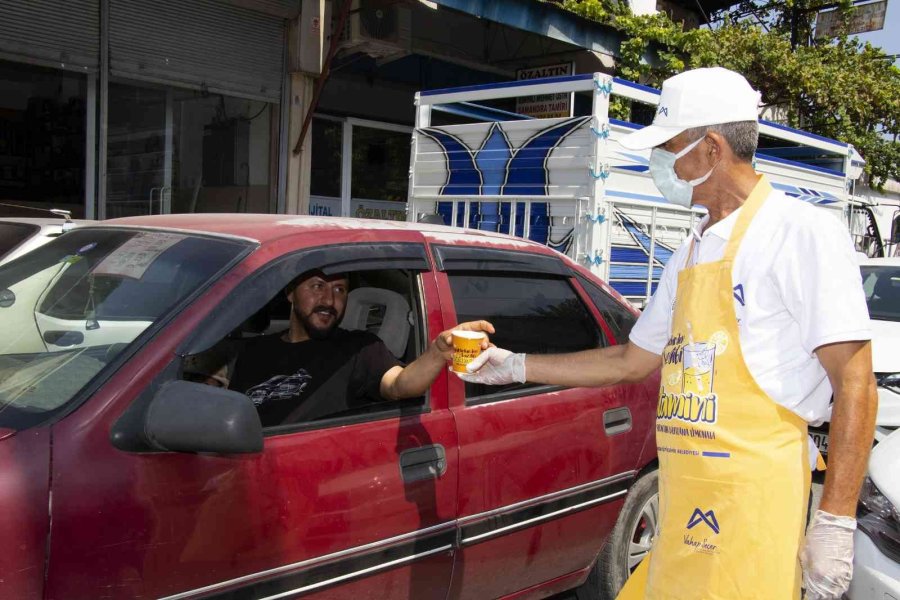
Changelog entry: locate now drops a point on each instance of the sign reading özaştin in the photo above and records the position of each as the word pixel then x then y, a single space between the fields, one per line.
pixel 546 106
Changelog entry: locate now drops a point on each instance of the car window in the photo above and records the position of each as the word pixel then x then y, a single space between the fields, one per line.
pixel 531 313
pixel 69 308
pixel 882 287
pixel 619 318
pixel 13 234
pixel 333 378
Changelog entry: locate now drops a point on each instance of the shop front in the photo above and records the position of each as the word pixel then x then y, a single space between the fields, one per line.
pixel 114 108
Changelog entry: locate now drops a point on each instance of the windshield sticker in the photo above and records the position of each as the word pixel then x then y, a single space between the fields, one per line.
pixel 134 257
pixel 88 248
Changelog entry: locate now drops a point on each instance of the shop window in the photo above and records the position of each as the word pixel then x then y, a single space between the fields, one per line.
pixel 531 314
pixel 325 176
pixel 42 139
pixel 380 172
pixel 184 151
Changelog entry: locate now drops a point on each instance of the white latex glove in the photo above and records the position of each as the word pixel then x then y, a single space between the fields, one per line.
pixel 827 556
pixel 496 366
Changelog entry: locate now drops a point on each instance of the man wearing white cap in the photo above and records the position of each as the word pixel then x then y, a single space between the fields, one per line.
pixel 758 320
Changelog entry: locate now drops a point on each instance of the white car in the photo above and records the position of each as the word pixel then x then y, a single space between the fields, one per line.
pixel 21 235
pixel 881 282
pixel 876 561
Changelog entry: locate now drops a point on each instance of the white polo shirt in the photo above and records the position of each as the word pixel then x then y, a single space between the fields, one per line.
pixel 797 286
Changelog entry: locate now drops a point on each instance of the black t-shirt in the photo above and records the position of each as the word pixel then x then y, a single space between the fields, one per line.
pixel 294 382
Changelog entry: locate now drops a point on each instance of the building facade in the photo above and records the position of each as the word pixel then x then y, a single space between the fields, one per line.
pixel 112 108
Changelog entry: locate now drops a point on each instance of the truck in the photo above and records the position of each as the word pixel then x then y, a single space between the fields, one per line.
pixel 479 163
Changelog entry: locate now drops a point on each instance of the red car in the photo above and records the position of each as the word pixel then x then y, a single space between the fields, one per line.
pixel 123 476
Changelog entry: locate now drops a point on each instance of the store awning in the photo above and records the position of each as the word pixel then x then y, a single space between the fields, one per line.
pixel 542 19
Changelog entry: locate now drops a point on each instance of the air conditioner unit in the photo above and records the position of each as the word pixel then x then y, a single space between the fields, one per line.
pixel 379 28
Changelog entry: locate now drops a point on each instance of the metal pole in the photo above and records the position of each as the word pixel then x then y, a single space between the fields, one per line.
pixel 90 149
pixel 652 250
pixel 346 168
pixel 165 194
pixel 104 109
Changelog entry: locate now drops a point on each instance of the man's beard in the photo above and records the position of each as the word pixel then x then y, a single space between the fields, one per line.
pixel 313 331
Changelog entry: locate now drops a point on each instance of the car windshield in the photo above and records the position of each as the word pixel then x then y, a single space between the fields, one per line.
pixel 882 287
pixel 68 308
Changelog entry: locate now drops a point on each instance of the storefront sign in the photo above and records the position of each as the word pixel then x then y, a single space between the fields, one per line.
pixel 378 209
pixel 866 17
pixel 324 207
pixel 547 106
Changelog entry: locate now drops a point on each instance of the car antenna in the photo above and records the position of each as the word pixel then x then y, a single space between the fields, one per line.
pixel 67 215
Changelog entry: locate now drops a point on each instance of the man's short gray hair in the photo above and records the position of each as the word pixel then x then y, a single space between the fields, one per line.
pixel 742 136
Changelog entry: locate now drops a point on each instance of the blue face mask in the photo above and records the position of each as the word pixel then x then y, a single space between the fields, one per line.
pixel 662 170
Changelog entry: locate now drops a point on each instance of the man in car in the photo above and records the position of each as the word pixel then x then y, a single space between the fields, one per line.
pixel 315 369
pixel 758 319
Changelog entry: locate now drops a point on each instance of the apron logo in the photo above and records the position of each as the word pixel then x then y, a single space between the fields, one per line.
pixel 688 379
pixel 708 517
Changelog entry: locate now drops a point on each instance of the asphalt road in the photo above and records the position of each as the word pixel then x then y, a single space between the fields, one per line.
pixel 817 483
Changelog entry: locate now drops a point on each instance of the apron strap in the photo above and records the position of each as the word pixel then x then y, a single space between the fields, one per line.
pixel 751 206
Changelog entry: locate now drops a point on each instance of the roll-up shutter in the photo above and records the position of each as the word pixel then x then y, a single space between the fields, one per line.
pixel 206 44
pixel 287 9
pixel 55 32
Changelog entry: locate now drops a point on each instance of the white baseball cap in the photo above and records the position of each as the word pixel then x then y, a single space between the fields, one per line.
pixel 693 99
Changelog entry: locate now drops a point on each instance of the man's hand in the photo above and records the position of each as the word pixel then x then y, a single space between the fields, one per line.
pixel 443 343
pixel 496 366
pixel 827 556
pixel 415 379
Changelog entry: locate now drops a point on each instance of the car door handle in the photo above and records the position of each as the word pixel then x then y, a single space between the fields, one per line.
pixel 424 462
pixel 617 420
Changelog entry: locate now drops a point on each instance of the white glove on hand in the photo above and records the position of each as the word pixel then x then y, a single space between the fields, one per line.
pixel 496 366
pixel 827 556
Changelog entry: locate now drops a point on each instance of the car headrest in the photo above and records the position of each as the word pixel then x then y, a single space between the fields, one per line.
pixel 888 285
pixel 395 325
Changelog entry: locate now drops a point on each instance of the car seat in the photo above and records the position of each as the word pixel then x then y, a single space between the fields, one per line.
pixel 887 292
pixel 395 323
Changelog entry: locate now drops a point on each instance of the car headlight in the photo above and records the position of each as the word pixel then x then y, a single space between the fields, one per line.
pixel 873 501
pixel 879 520
pixel 888 380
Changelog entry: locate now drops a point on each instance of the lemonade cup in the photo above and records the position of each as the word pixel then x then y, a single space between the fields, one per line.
pixel 466 347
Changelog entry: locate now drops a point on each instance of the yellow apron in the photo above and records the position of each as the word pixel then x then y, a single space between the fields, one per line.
pixel 734 474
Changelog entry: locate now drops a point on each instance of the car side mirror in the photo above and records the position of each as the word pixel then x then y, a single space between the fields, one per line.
pixel 193 417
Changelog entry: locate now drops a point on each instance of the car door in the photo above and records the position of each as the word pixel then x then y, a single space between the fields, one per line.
pixel 356 506
pixel 541 475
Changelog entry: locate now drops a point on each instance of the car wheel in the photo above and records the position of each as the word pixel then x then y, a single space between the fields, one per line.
pixel 628 544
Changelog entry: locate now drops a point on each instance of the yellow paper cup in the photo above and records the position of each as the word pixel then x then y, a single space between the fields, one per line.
pixel 466 346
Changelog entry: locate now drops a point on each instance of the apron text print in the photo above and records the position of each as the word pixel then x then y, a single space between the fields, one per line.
pixel 687 407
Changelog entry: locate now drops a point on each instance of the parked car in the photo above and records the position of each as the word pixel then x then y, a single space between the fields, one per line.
pixel 876 561
pixel 21 235
pixel 881 283
pixel 167 488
